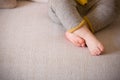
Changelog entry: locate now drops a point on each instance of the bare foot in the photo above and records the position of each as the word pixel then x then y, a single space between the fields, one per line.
pixel 76 40
pixel 94 45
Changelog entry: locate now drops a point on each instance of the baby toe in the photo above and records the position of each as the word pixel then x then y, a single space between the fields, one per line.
pixel 101 48
pixel 95 52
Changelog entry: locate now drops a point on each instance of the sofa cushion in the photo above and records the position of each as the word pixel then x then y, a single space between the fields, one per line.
pixel 8 3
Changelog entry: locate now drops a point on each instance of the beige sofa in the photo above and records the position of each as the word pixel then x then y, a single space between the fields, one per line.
pixel 32 47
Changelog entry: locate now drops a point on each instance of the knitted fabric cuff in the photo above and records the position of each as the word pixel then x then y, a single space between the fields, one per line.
pixel 89 23
pixel 86 20
pixel 77 27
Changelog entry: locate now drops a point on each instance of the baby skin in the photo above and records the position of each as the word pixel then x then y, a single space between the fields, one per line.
pixel 83 37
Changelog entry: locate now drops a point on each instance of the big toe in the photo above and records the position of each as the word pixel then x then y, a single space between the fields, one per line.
pixel 98 50
pixel 101 47
pixel 95 52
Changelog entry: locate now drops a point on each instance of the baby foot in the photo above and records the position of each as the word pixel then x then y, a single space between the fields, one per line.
pixel 94 45
pixel 76 40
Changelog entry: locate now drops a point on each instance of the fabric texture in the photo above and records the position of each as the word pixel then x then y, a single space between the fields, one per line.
pixel 83 22
pixel 8 3
pixel 32 47
pixel 99 12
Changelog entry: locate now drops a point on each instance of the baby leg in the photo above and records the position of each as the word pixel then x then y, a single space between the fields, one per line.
pixel 100 16
pixel 59 13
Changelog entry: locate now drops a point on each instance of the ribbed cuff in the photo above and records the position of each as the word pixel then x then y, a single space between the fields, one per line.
pixel 89 23
pixel 77 27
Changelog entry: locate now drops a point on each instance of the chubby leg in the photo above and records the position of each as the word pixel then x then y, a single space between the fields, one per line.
pixel 69 17
pixel 102 14
pixel 76 40
pixel 61 14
